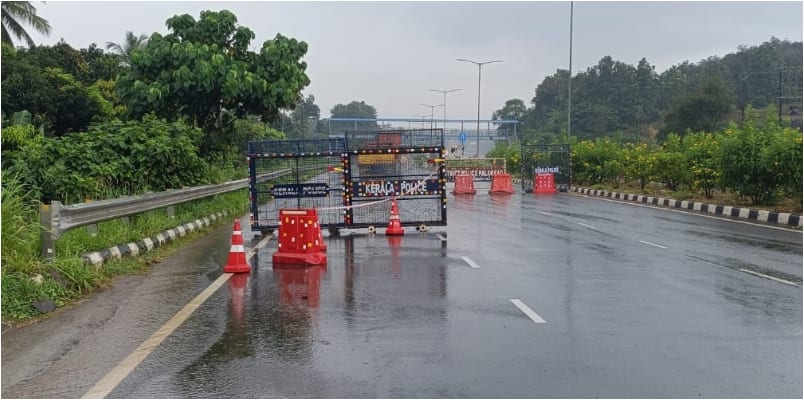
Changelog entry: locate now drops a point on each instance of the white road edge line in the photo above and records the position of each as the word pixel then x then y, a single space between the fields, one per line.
pixel 109 382
pixel 588 226
pixel 530 313
pixel 545 213
pixel 470 262
pixel 652 244
pixel 769 277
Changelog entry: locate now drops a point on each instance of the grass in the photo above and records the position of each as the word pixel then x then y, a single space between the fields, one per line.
pixel 26 278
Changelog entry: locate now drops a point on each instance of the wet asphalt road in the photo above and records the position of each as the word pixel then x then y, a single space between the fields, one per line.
pixel 637 302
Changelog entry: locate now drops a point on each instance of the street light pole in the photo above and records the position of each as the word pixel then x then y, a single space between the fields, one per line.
pixel 445 102
pixel 479 69
pixel 432 107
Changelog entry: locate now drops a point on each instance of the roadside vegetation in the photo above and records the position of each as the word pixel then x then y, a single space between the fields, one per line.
pixel 756 163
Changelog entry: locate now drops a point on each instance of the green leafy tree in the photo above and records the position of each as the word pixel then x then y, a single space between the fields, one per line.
pixel 354 109
pixel 204 70
pixel 706 110
pixel 56 99
pixel 304 118
pixel 19 13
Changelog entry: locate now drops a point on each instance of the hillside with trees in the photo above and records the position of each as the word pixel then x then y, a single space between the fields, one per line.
pixel 614 98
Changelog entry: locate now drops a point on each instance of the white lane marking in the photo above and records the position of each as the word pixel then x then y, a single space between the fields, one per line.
pixel 470 262
pixel 441 237
pixel 530 313
pixel 780 228
pixel 544 213
pixel 588 226
pixel 652 244
pixel 121 371
pixel 769 277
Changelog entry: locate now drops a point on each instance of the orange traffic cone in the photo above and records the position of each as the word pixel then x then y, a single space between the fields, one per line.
pixel 394 223
pixel 237 254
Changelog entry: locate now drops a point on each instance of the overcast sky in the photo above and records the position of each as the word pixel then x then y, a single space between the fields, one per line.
pixel 390 53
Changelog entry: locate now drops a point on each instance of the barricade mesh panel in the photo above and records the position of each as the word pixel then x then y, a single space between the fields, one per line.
pixel 550 158
pixel 310 182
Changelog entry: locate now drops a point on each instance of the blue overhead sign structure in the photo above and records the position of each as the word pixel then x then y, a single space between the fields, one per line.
pixel 462 137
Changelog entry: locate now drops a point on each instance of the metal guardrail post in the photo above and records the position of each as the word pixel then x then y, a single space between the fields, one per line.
pixel 49 228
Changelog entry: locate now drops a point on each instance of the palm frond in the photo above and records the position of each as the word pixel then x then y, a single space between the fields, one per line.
pixel 16 12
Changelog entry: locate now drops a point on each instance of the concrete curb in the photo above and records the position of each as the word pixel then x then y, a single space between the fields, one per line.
pixel 785 219
pixel 147 244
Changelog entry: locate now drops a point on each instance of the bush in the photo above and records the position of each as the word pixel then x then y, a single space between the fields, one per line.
pixel 700 154
pixel 744 159
pixel 112 159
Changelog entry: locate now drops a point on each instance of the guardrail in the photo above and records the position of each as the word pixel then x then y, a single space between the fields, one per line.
pixel 55 218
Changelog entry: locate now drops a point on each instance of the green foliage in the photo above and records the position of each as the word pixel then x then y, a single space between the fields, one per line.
pixel 113 158
pixel 784 157
pixel 599 161
pixel 17 13
pixel 69 277
pixel 701 157
pixel 204 70
pixel 669 164
pixel 638 161
pixel 20 233
pixel 741 159
pixel 613 96
pixel 58 100
pixel 705 110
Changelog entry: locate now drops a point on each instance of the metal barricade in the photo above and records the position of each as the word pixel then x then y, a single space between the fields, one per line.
pixel 547 158
pixel 350 180
pixel 315 180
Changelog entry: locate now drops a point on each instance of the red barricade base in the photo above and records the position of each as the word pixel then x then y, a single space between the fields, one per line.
pixel 501 184
pixel 300 238
pixel 464 184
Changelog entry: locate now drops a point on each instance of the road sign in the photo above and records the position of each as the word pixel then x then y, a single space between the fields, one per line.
pixel 462 137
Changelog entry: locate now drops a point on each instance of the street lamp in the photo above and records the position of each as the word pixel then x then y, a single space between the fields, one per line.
pixel 479 67
pixel 432 107
pixel 445 102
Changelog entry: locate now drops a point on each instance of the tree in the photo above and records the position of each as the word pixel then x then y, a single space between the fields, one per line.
pixel 57 100
pixel 514 109
pixel 706 110
pixel 354 109
pixel 304 118
pixel 16 13
pixel 126 49
pixel 204 70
